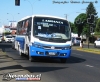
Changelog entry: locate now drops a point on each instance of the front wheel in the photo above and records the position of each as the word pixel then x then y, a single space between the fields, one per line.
pixel 63 60
pixel 28 54
pixel 31 58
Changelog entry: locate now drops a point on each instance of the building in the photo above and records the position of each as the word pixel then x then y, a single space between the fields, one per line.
pixel 1 30
pixel 12 26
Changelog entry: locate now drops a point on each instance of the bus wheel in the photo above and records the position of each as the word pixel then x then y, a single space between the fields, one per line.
pixel 63 60
pixel 29 57
pixel 20 53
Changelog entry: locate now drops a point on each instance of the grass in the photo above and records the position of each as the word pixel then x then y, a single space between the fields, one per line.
pixel 96 51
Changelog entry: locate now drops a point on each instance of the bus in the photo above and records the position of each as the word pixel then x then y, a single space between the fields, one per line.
pixel 43 36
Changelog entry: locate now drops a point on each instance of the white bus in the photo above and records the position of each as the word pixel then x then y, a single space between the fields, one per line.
pixel 44 36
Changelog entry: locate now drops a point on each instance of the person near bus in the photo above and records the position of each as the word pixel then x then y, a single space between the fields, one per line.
pixel 81 43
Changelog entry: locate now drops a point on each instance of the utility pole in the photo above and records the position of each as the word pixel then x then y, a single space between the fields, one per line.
pixel 65 15
pixel 90 21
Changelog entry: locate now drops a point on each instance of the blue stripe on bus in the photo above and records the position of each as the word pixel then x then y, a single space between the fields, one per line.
pixel 21 41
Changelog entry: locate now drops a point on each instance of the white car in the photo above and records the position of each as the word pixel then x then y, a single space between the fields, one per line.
pixel 9 39
pixel 76 41
pixel 97 43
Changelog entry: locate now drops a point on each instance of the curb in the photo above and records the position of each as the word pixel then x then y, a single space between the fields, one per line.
pixel 90 51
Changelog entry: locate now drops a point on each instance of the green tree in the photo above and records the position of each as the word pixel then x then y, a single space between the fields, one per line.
pixel 80 27
pixel 73 28
pixel 6 33
pixel 91 10
pixel 97 29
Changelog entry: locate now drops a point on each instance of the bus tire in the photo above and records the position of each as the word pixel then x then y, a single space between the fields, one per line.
pixel 20 53
pixel 63 60
pixel 28 54
pixel 31 58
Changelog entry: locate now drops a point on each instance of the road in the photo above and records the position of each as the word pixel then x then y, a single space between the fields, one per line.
pixel 80 67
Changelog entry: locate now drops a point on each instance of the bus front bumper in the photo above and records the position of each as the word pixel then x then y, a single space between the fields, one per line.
pixel 34 51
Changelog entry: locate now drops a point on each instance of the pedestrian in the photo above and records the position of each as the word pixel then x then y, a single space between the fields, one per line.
pixel 81 43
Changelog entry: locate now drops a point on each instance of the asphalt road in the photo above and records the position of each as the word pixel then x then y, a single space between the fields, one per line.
pixel 80 67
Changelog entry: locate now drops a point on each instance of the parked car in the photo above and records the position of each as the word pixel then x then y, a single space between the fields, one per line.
pixel 9 38
pixel 97 43
pixel 76 40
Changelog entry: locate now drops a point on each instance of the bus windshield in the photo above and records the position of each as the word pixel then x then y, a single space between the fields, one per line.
pixel 51 29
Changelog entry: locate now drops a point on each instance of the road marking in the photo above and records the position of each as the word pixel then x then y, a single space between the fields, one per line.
pixel 89 66
pixel 77 54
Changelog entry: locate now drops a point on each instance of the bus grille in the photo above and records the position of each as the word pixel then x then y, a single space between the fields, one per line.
pixel 49 47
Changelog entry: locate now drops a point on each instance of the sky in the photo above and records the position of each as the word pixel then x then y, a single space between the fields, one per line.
pixel 10 12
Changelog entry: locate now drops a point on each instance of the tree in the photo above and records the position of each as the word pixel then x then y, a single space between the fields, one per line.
pixel 80 24
pixel 6 33
pixel 97 29
pixel 73 28
pixel 91 10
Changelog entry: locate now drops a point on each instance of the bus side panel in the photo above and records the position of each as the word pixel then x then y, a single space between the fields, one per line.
pixel 21 41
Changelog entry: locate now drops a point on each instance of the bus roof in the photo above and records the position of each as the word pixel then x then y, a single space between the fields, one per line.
pixel 42 16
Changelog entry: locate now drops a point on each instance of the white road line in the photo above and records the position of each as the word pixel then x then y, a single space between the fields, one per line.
pixel 77 54
pixel 89 66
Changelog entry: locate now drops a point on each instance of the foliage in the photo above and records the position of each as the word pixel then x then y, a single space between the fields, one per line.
pixel 6 33
pixel 82 25
pixel 73 28
pixel 91 10
pixel 97 29
pixel 83 28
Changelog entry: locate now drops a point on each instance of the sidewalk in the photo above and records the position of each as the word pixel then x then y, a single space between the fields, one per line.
pixel 8 65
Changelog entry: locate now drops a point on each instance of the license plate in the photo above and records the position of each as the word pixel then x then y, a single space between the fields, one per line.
pixel 52 53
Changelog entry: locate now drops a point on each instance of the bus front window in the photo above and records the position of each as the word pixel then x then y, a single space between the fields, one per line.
pixel 51 28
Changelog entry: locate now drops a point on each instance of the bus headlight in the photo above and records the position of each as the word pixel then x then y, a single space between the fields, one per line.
pixel 67 48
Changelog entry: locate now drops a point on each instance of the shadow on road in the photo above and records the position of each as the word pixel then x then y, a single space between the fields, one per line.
pixel 43 69
pixel 73 59
pixel 37 68
pixel 32 68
